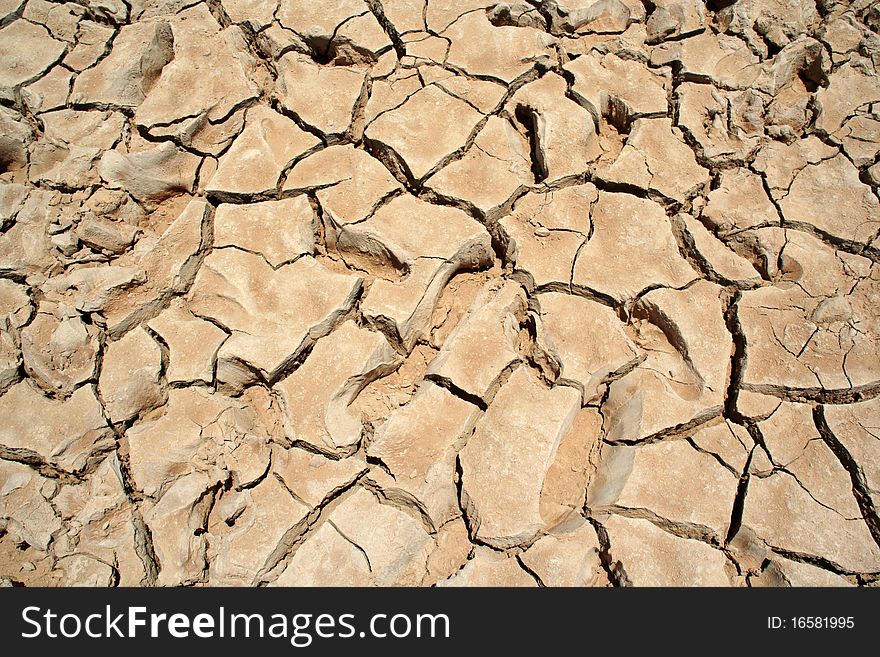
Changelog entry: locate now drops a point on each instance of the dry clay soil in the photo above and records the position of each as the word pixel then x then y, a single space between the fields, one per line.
pixel 439 292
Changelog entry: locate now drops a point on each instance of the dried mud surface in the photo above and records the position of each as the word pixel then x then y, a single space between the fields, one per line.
pixel 439 292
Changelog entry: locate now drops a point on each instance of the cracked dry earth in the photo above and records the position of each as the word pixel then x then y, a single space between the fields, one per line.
pixel 439 292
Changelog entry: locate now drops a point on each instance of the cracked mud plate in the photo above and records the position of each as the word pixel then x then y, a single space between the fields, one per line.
pixel 439 292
